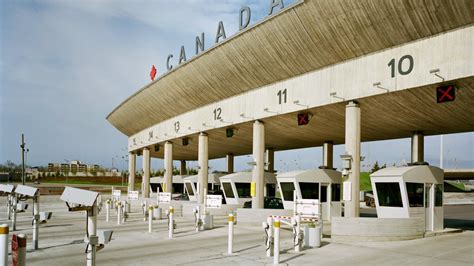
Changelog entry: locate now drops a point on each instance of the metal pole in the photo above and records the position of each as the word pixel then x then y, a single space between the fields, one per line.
pixel 171 222
pixel 92 232
pixel 276 251
pixel 150 218
pixel 14 213
pixel 298 230
pixel 9 206
pixel 270 236
pixel 441 152
pixel 230 239
pixel 22 158
pixel 119 212
pixel 4 244
pixel 21 249
pixel 107 210
pixel 36 221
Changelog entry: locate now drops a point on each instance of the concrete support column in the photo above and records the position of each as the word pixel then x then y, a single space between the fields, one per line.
pixel 168 161
pixel 259 160
pixel 327 155
pixel 203 160
pixel 351 208
pixel 132 164
pixel 270 160
pixel 146 173
pixel 417 148
pixel 183 169
pixel 230 163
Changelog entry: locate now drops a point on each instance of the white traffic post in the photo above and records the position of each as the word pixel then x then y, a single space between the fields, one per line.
pixel 270 236
pixel 150 218
pixel 119 212
pixel 124 218
pixel 9 206
pixel 36 218
pixel 276 251
pixel 21 249
pixel 107 210
pixel 14 202
pixel 92 233
pixel 4 244
pixel 298 230
pixel 171 222
pixel 230 240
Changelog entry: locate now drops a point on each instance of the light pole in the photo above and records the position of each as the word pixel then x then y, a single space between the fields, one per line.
pixel 23 145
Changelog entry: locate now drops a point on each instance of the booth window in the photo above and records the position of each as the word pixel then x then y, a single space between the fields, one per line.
pixel 229 193
pixel 415 194
pixel 243 190
pixel 189 188
pixel 178 188
pixel 287 190
pixel 336 192
pixel 389 194
pixel 439 195
pixel 324 193
pixel 309 190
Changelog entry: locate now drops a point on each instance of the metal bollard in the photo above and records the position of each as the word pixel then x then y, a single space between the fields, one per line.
pixel 92 233
pixel 276 251
pixel 36 218
pixel 230 240
pixel 270 239
pixel 119 212
pixel 107 210
pixel 14 201
pixel 150 218
pixel 21 249
pixel 4 244
pixel 297 236
pixel 171 222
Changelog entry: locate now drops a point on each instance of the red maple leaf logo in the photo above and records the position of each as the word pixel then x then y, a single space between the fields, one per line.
pixel 153 72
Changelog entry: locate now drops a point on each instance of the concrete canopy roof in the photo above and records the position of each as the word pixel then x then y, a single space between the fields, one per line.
pixel 410 110
pixel 306 37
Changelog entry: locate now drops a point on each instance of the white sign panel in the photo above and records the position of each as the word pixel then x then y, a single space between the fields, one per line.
pixel 164 197
pixel 133 195
pixel 214 201
pixel 116 193
pixel 307 207
pixel 347 191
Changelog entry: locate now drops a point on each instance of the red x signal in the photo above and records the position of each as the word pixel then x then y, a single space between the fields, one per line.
pixel 445 94
pixel 303 119
pixel 153 72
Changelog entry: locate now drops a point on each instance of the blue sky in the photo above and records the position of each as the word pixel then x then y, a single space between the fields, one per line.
pixel 64 65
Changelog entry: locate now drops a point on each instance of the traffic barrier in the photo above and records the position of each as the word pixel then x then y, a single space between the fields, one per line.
pixel 230 240
pixel 276 250
pixel 171 222
pixel 4 244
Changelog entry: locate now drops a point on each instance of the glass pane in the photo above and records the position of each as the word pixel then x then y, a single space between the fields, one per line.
pixel 336 192
pixel 439 195
pixel 243 190
pixel 189 189
pixel 309 190
pixel 415 194
pixel 287 190
pixel 389 194
pixel 324 196
pixel 229 193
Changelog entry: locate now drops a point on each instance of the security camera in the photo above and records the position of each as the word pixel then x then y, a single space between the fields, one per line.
pixel 80 199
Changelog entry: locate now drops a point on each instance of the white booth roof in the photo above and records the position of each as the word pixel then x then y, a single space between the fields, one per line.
pixel 416 173
pixel 176 179
pixel 269 178
pixel 211 178
pixel 322 175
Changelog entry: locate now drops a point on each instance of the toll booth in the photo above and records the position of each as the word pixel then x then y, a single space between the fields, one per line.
pixel 321 184
pixel 236 187
pixel 412 191
pixel 191 184
pixel 178 183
